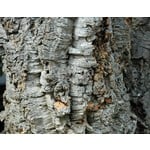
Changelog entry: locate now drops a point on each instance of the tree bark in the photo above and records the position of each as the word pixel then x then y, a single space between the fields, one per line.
pixel 76 75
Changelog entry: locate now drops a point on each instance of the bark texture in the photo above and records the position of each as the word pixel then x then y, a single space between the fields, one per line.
pixel 75 75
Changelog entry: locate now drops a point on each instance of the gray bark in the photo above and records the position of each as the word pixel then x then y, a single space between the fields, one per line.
pixel 76 75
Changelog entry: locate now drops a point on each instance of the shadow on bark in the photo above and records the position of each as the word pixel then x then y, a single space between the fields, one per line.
pixel 2 89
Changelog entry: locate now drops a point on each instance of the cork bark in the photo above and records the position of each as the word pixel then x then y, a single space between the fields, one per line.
pixel 75 75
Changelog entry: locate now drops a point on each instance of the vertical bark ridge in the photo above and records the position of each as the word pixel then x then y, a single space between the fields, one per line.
pixel 121 48
pixel 81 63
pixel 110 108
pixel 53 52
pixel 15 68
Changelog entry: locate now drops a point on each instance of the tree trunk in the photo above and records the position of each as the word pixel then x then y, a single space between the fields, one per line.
pixel 76 75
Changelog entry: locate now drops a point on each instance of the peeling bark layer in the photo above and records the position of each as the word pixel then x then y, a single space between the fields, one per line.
pixel 75 75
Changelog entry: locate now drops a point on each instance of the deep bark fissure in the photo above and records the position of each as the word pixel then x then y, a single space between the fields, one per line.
pixel 2 90
pixel 139 111
pixel 137 72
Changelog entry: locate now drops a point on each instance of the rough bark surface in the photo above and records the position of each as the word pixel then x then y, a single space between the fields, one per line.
pixel 75 75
